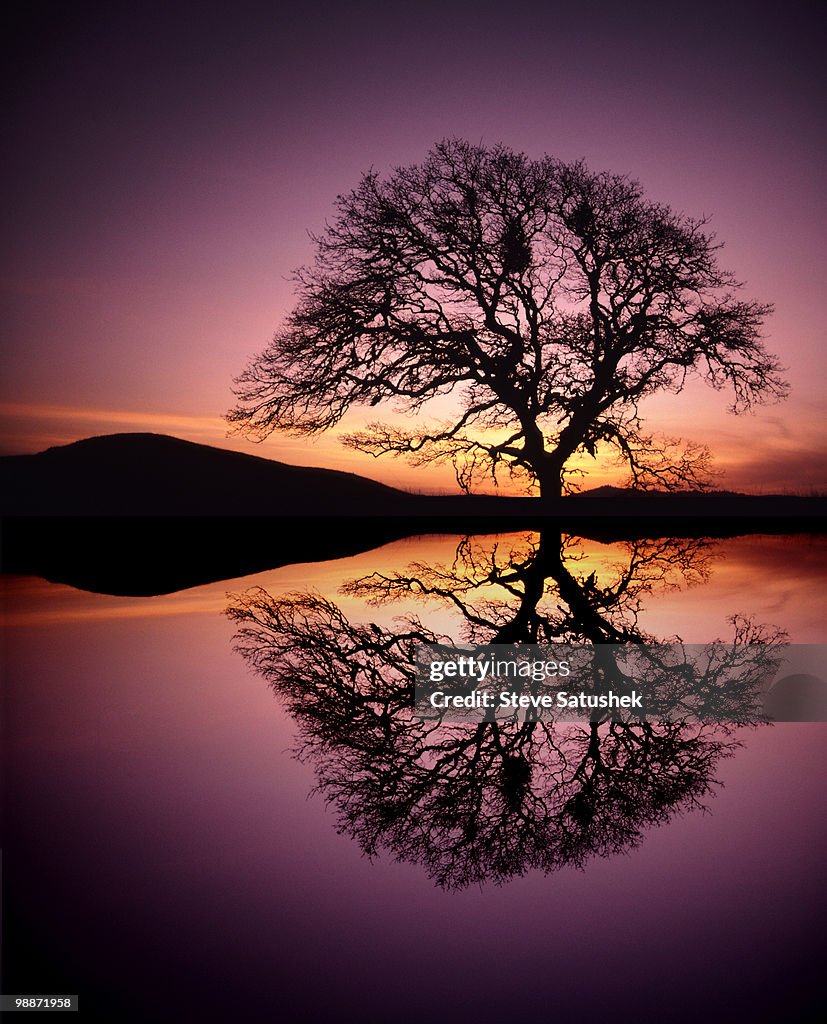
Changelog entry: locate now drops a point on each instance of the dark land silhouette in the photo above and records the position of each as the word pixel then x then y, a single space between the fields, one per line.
pixel 142 556
pixel 154 474
pixel 158 475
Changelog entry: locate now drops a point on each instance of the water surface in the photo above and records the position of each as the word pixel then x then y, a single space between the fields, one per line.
pixel 159 833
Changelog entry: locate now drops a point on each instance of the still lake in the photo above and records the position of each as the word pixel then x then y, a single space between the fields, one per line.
pixel 167 856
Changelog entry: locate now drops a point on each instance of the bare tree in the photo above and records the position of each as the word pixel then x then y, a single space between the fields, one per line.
pixel 547 299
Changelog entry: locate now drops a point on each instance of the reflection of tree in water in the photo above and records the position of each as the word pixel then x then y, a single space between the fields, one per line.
pixel 530 590
pixel 486 801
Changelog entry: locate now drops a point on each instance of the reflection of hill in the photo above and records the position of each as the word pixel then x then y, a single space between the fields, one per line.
pixel 152 474
pixel 148 555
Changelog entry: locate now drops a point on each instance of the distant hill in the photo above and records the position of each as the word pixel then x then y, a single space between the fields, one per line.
pixel 154 474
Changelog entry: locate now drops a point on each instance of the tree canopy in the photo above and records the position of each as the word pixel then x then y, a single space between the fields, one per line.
pixel 547 299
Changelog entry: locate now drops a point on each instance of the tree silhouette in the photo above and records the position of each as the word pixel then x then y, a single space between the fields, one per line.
pixel 502 592
pixel 487 801
pixel 549 300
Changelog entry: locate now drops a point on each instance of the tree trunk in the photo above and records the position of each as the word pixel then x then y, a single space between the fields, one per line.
pixel 550 475
pixel 547 466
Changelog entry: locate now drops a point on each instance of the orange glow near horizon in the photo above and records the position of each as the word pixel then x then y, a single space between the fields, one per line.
pixel 759 453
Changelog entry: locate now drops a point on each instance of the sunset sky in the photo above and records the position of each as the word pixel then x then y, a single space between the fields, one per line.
pixel 165 165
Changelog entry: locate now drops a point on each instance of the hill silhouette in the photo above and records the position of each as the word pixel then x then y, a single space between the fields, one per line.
pixel 158 475
pixel 154 474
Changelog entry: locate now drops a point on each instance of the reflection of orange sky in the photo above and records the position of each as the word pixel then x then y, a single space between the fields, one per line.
pixel 778 580
pixel 758 453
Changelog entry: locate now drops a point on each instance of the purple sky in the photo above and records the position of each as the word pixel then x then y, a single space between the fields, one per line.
pixel 165 167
